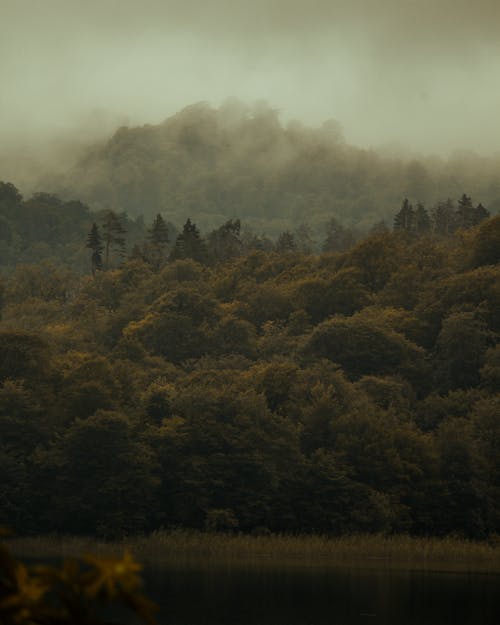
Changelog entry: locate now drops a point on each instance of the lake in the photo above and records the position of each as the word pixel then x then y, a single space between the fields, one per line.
pixel 301 595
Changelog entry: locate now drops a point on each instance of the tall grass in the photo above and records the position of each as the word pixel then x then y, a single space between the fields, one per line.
pixel 164 546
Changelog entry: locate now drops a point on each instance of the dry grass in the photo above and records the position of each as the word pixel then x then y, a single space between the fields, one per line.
pixel 187 546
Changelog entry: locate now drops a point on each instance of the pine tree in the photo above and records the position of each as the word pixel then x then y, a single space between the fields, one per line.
pixel 422 220
pixel 189 244
pixel 114 236
pixel 405 218
pixel 464 214
pixel 443 216
pixel 479 214
pixel 158 237
pixel 94 243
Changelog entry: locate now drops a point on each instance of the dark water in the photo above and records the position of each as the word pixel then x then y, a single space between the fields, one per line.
pixel 311 596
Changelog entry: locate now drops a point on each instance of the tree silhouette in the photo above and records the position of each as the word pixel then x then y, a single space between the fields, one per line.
pixel 158 239
pixel 189 244
pixel 94 243
pixel 114 236
pixel 405 218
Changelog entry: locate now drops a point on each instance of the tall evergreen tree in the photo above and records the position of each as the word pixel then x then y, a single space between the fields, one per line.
pixel 405 218
pixel 465 212
pixel 479 214
pixel 190 244
pixel 113 236
pixel 422 220
pixel 443 215
pixel 158 239
pixel 94 243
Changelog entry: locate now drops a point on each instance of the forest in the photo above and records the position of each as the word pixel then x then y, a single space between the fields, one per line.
pixel 154 375
pixel 239 161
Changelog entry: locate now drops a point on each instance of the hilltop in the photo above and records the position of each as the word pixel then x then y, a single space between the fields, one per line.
pixel 237 161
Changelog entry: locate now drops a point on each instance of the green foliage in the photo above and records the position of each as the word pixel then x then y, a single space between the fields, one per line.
pixel 239 389
pixel 486 247
pixel 215 163
pixel 361 346
pixel 189 244
pixel 99 464
pixel 113 237
pixel 94 243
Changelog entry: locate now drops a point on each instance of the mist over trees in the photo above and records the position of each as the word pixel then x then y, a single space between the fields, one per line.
pixel 251 327
pixel 241 162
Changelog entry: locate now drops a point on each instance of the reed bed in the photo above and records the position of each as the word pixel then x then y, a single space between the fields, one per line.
pixel 186 546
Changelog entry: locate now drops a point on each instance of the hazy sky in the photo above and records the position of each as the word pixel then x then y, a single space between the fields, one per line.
pixel 422 73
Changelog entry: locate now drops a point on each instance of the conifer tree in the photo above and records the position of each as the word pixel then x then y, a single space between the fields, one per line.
pixel 158 237
pixel 422 220
pixel 114 236
pixel 405 218
pixel 465 212
pixel 94 243
pixel 189 244
pixel 479 214
pixel 443 215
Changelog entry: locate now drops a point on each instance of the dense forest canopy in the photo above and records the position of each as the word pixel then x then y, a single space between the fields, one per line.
pixel 227 382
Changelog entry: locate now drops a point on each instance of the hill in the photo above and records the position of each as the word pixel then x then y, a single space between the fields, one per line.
pixel 237 161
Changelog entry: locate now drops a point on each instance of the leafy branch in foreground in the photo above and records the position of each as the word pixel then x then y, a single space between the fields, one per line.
pixel 76 591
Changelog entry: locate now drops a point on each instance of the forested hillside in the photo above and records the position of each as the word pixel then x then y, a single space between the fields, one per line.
pixel 202 382
pixel 242 162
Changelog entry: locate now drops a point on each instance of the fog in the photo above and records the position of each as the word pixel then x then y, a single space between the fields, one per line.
pixel 422 74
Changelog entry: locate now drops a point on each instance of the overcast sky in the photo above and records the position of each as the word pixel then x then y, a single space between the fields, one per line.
pixel 421 73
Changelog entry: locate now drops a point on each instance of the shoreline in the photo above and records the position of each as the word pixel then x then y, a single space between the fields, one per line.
pixel 187 548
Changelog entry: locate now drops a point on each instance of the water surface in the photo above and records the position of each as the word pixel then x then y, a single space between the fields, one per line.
pixel 294 595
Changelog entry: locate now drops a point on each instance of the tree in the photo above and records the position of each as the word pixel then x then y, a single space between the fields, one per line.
pixel 460 349
pixel 479 214
pixel 22 355
pixel 338 238
pixel 363 347
pixel 486 246
pixel 422 221
pixel 443 215
pixel 158 237
pixel 286 243
pixel 190 244
pixel 405 218
pixel 225 243
pixel 94 243
pixel 114 236
pixel 465 212
pixel 105 477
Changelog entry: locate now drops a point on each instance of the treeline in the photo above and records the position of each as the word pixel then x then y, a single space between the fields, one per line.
pixel 444 218
pixel 45 228
pixel 352 391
